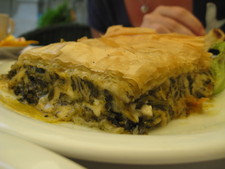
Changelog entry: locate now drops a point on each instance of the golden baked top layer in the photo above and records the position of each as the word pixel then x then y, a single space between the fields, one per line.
pixel 138 54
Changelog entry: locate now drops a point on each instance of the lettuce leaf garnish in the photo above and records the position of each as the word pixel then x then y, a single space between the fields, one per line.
pixel 218 66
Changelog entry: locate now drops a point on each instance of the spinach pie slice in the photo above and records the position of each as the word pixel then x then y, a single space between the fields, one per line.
pixel 130 80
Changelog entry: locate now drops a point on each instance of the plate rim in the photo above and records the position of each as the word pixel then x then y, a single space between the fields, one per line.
pixel 37 155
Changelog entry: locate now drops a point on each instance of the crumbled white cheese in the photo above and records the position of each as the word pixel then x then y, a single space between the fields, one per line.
pixel 97 107
pixel 147 110
pixel 65 112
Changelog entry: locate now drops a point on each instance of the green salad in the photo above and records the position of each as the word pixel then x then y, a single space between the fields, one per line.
pixel 218 66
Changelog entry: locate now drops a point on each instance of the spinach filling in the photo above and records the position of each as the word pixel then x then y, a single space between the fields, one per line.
pixel 37 83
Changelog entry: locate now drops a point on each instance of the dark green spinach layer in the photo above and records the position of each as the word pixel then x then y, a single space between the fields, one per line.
pixel 168 101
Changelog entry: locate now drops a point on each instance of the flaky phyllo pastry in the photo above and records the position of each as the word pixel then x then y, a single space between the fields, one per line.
pixel 130 80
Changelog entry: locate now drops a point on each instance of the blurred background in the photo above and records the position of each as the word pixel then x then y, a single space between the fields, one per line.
pixel 47 20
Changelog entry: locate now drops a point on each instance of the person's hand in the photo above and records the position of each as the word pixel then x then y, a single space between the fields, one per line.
pixel 168 19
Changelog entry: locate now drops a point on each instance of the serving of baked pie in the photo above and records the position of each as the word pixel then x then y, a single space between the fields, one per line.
pixel 130 80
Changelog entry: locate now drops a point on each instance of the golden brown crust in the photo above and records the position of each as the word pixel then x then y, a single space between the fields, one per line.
pixel 214 36
pixel 138 54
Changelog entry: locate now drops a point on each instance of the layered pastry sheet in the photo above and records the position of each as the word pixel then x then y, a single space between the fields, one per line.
pixel 130 80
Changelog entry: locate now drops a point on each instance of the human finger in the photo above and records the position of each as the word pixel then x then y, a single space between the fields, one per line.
pixel 182 16
pixel 164 24
pixel 159 28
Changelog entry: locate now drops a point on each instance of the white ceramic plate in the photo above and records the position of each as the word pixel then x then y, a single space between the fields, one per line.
pixel 20 154
pixel 10 52
pixel 200 137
